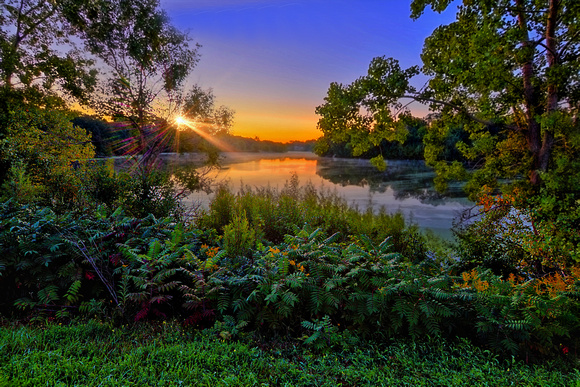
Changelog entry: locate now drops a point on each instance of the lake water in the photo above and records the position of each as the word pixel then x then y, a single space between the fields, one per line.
pixel 405 186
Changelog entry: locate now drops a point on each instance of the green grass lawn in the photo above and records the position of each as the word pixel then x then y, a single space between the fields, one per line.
pixel 166 354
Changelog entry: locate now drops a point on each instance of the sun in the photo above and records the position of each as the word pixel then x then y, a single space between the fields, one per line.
pixel 180 120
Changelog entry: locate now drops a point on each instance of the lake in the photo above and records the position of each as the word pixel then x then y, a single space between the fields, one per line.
pixel 405 186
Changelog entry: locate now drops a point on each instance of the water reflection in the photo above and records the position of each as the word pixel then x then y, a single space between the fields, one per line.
pixel 406 186
pixel 407 179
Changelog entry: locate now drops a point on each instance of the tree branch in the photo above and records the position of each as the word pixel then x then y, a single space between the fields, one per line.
pixel 570 41
pixel 418 98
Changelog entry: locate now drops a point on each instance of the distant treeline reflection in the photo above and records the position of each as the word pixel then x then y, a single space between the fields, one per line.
pixel 406 178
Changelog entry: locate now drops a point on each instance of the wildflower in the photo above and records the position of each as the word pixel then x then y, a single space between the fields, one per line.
pixel 212 251
pixel 292 262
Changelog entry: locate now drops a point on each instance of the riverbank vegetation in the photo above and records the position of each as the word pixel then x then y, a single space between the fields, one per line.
pixel 294 262
pixel 84 243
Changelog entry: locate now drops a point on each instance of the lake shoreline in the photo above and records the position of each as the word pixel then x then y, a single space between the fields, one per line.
pixel 406 186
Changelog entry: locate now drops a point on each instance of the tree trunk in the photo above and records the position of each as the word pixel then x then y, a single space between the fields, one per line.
pixel 532 129
pixel 552 89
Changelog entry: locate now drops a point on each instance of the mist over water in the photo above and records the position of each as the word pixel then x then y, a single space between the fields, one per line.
pixel 405 186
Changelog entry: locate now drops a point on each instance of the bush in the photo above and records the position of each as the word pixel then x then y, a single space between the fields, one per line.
pixel 274 213
pixel 45 148
pixel 54 264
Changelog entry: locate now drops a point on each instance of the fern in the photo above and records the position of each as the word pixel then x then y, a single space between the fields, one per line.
pixel 321 328
pixel 48 294
pixel 72 295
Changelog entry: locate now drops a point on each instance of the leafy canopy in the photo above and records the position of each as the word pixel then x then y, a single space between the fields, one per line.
pixel 37 67
pixel 505 71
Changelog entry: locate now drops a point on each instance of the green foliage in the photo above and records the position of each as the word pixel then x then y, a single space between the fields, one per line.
pixel 556 212
pixel 107 139
pixel 316 283
pixel 273 213
pixel 101 185
pixel 150 192
pixel 166 354
pixel 42 45
pixel 359 113
pixel 408 144
pixel 45 148
pixel 148 279
pixel 503 85
pixel 110 262
pixel 239 238
pixel 492 242
pixel 527 235
pixel 19 185
pixel 323 329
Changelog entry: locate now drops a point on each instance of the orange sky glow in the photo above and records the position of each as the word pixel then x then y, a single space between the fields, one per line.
pixel 281 128
pixel 272 61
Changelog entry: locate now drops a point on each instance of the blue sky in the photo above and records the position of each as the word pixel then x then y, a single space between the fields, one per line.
pixel 273 60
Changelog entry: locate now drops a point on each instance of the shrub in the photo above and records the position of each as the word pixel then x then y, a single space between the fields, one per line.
pixel 101 261
pixel 239 238
pixel 274 213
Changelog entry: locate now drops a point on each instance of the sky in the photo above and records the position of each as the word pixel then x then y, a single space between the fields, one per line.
pixel 272 61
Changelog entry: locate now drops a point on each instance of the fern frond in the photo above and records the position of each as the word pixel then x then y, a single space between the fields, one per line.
pixel 48 294
pixel 159 299
pixel 72 295
pixel 168 286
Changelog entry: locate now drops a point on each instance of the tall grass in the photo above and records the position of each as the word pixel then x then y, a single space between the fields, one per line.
pixel 273 213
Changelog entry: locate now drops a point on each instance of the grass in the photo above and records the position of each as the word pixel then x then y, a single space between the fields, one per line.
pixel 168 354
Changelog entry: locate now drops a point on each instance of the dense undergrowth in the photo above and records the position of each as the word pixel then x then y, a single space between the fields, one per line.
pixel 171 354
pixel 288 263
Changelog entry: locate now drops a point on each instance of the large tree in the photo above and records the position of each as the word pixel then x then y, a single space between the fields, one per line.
pixel 147 62
pixel 506 71
pixel 41 64
pixel 41 69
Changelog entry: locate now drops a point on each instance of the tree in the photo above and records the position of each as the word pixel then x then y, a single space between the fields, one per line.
pixel 148 61
pixel 407 145
pixel 506 71
pixel 37 71
pixel 204 124
pixel 34 66
pixel 365 112
pixel 41 71
pixel 199 108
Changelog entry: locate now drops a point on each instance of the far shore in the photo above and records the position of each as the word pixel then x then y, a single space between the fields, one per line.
pixel 225 157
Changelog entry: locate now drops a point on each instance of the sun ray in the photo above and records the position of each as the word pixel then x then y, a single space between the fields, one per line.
pixel 195 126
